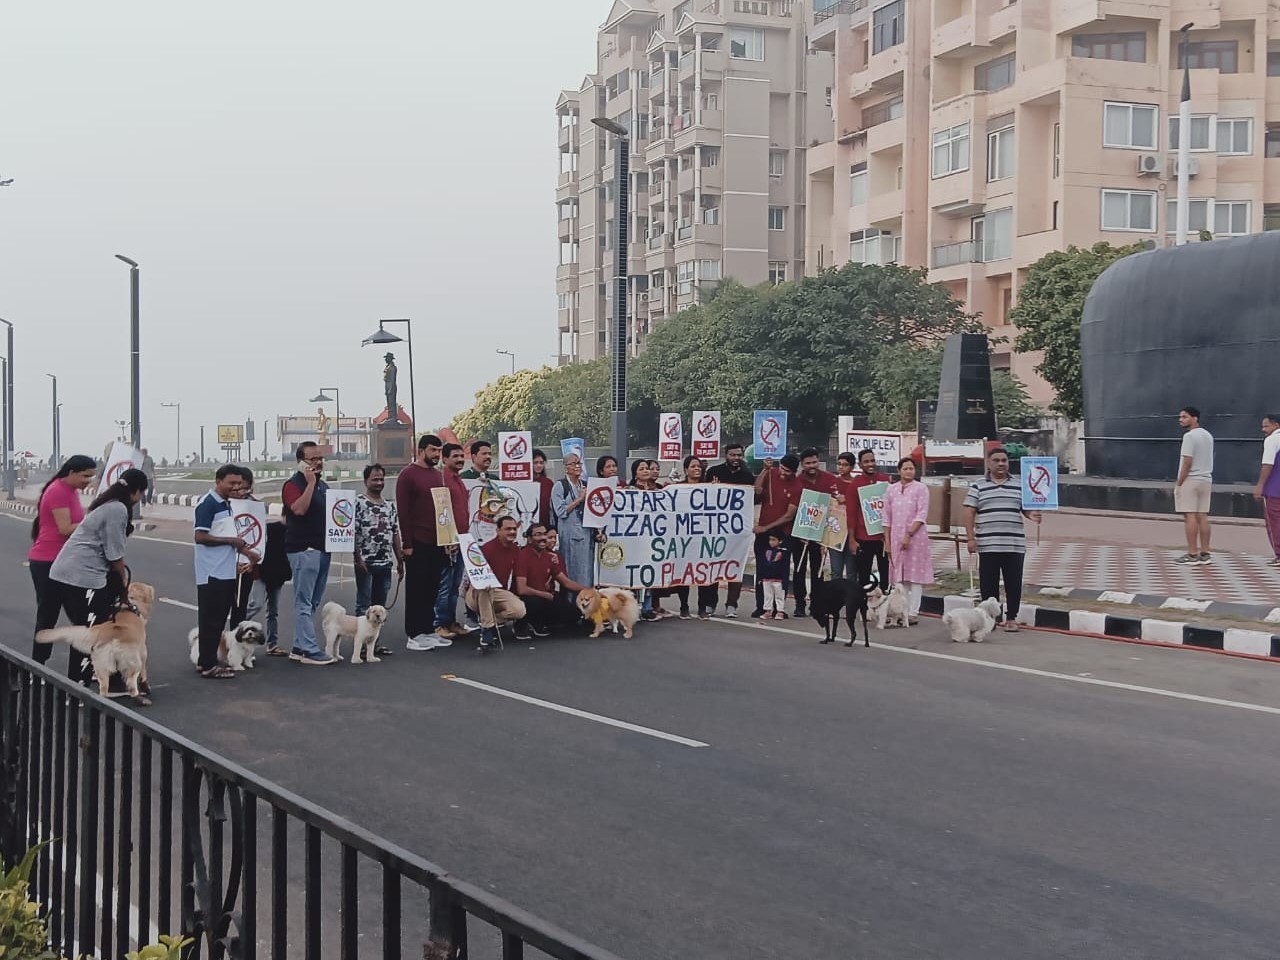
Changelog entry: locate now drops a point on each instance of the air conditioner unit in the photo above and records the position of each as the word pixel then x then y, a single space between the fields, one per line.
pixel 1193 166
pixel 1148 164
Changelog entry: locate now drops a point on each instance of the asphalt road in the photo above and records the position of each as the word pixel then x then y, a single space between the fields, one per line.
pixel 1040 796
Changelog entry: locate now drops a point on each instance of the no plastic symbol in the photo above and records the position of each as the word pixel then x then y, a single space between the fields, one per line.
pixel 249 530
pixel 514 448
pixel 117 469
pixel 671 428
pixel 599 501
pixel 342 514
pixel 770 429
pixel 707 426
pixel 1039 480
pixel 475 556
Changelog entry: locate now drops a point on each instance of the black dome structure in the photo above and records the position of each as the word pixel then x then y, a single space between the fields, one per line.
pixel 1196 325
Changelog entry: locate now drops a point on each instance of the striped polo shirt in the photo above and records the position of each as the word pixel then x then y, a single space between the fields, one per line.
pixel 999 521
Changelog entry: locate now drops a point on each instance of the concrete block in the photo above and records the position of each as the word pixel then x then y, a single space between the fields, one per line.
pixel 950 603
pixel 1256 642
pixel 1161 631
pixel 1027 614
pixel 1088 621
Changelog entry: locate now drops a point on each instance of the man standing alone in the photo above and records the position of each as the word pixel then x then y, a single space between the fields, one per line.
pixel 1268 488
pixel 1194 489
pixel 304 495
pixel 993 521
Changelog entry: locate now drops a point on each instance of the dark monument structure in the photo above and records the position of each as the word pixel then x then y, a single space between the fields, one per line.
pixel 1196 325
pixel 393 441
pixel 966 409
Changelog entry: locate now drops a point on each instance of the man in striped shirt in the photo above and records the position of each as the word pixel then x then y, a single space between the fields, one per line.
pixel 993 517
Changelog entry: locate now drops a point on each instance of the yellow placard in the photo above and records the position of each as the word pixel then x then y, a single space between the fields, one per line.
pixel 446 525
pixel 230 433
pixel 835 534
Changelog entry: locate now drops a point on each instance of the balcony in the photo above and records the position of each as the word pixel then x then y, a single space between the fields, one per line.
pixel 568 138
pixel 568 229
pixel 660 149
pixel 882 207
pixel 757 8
pixel 566 187
pixel 953 254
pixel 954 39
pixel 658 241
pixel 829 18
pixel 706 130
pixel 566 270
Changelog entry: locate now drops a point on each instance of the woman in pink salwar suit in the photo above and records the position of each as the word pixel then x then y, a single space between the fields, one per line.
pixel 906 538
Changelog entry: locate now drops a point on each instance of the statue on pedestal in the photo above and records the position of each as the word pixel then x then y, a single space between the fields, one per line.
pixel 389 388
pixel 322 427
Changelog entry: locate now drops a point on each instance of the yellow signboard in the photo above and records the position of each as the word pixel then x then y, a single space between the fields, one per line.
pixel 230 433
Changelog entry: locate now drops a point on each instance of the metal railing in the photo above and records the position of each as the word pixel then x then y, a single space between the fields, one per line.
pixel 837 8
pixel 147 832
pixel 952 254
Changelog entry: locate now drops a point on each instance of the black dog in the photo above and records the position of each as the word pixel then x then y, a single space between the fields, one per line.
pixel 832 596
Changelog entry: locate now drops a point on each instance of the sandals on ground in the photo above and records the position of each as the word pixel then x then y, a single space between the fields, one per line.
pixel 218 673
pixel 277 652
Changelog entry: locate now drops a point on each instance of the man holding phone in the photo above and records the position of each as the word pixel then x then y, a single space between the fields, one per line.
pixel 304 495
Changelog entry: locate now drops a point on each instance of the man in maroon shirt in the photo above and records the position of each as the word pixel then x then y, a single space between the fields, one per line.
pixel 807 553
pixel 778 493
pixel 423 558
pixel 537 573
pixel 446 617
pixel 869 548
pixel 499 603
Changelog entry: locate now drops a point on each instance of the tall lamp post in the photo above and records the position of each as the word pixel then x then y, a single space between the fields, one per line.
pixel 512 355
pixel 135 428
pixel 383 336
pixel 57 432
pixel 1184 143
pixel 322 397
pixel 53 425
pixel 622 205
pixel 176 404
pixel 8 410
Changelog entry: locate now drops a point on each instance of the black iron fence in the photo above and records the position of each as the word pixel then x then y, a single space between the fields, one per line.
pixel 152 834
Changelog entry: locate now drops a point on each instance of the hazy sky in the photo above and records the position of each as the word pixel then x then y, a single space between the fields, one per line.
pixel 286 172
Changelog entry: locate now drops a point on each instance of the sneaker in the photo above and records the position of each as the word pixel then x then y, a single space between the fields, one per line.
pixel 650 616
pixel 1187 559
pixel 521 631
pixel 1204 559
pixel 800 611
pixel 381 651
pixel 311 659
pixel 423 641
pixel 704 614
pixel 539 631
pixel 731 613
pixel 444 637
pixel 488 641
pixel 462 629
pixel 757 614
pixel 684 614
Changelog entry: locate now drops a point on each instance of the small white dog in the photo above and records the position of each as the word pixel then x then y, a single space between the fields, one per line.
pixel 237 648
pixel 888 608
pixel 973 624
pixel 337 623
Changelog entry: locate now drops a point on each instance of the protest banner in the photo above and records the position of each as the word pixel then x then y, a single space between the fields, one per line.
pixel 121 458
pixel 769 433
pixel 340 521
pixel 446 525
pixel 872 498
pixel 670 438
pixel 250 520
pixel 479 574
pixel 885 445
pixel 706 434
pixel 515 456
pixel 599 502
pixel 687 534
pixel 576 445
pixel 811 515
pixel 836 532
pixel 487 502
pixel 1039 483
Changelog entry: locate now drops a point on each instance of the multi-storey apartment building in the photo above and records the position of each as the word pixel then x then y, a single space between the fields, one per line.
pixel 971 137
pixel 721 97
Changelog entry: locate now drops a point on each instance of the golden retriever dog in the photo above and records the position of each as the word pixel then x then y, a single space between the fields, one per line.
pixel 237 648
pixel 114 646
pixel 337 623
pixel 611 605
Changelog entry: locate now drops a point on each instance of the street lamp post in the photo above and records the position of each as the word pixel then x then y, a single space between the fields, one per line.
pixel 135 428
pixel 1184 143
pixel 512 355
pixel 53 425
pixel 622 205
pixel 383 336
pixel 8 410
pixel 176 404
pixel 336 400
pixel 57 434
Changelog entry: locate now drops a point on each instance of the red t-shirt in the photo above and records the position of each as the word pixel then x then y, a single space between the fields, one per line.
pixel 823 482
pixel 777 495
pixel 854 520
pixel 539 568
pixel 502 561
pixel 415 505
pixel 461 504
pixel 50 541
pixel 546 485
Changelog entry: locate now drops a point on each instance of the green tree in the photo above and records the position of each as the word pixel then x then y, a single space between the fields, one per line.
pixel 573 401
pixel 507 403
pixel 1048 314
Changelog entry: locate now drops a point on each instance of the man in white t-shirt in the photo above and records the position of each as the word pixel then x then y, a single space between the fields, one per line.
pixel 1268 488
pixel 1194 489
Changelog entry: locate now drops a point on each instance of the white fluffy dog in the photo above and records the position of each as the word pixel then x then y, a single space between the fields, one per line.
pixel 337 623
pixel 888 608
pixel 237 648
pixel 973 624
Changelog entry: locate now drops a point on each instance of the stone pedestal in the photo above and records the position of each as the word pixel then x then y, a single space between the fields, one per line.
pixel 393 444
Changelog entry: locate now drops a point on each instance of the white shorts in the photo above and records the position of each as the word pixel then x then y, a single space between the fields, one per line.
pixel 1192 497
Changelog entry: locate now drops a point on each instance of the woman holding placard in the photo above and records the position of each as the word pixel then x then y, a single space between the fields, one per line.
pixel 906 539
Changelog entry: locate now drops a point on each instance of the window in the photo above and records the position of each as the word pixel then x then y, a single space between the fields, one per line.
pixel 684 277
pixel 568 162
pixel 1271 143
pixel 951 150
pixel 680 10
pixel 746 43
pixel 568 252
pixel 857 184
pixel 882 112
pixel 1197 215
pixel 1057 150
pixel 1000 154
pixel 1273 64
pixel 777 163
pixel 995 74
pixel 777 272
pixel 569 210
pixel 1129 125
pixel 1271 217
pixel 888 28
pixel 777 218
pixel 1220 55
pixel 997 235
pixel 708 269
pixel 1230 218
pixel 873 246
pixel 1129 210
pixel 711 156
pixel 1235 136
pixel 1110 46
pixel 1201 133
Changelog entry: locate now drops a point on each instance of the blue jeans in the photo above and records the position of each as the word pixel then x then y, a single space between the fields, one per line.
pixel 842 563
pixel 373 585
pixel 310 577
pixel 450 586
pixel 264 607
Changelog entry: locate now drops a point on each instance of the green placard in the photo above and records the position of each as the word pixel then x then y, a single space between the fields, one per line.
pixel 811 515
pixel 872 498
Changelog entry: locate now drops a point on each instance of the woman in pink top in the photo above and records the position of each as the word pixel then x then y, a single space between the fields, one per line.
pixel 906 541
pixel 58 514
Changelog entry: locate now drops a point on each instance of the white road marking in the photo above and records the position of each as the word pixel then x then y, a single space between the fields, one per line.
pixel 574 712
pixel 178 603
pixel 1048 674
pixel 178 543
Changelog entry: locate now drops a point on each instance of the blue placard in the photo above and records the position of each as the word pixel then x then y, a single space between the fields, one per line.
pixel 1039 483
pixel 579 446
pixel 769 433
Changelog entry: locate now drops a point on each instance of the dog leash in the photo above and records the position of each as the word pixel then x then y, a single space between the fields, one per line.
pixel 396 595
